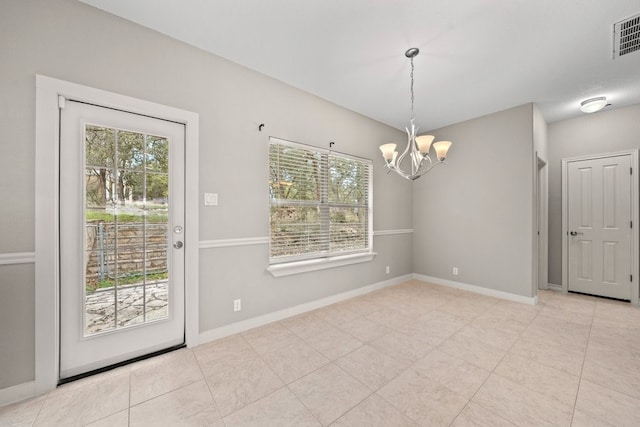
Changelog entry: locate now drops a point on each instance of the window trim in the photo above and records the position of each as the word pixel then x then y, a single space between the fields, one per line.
pixel 297 267
pixel 306 263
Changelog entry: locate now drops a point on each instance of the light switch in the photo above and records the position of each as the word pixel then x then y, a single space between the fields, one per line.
pixel 211 199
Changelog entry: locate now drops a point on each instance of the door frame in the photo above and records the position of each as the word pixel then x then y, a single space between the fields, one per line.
pixel 542 221
pixel 635 250
pixel 47 274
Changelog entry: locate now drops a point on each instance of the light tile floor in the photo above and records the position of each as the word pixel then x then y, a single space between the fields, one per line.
pixel 413 354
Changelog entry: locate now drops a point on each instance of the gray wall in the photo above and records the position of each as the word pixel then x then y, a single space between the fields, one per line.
pixel 602 132
pixel 72 41
pixel 476 212
pixel 540 134
pixel 17 346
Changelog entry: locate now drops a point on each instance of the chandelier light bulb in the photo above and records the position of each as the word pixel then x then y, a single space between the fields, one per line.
pixel 424 143
pixel 442 147
pixel 387 151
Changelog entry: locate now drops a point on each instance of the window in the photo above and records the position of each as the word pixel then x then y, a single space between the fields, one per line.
pixel 320 203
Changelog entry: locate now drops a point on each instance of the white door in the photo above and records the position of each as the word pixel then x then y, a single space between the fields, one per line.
pixel 121 219
pixel 599 226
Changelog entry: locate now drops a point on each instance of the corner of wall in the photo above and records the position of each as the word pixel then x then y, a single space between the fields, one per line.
pixel 483 197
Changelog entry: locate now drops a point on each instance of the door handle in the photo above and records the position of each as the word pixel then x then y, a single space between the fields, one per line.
pixel 178 244
pixel 575 233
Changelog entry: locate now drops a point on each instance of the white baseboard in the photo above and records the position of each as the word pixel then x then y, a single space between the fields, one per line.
pixel 477 289
pixel 554 287
pixel 17 393
pixel 244 325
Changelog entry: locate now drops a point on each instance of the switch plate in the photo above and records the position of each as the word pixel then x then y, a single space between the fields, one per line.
pixel 455 271
pixel 211 199
pixel 388 270
pixel 237 305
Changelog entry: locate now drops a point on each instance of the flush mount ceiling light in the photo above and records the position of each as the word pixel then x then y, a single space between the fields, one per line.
pixel 417 146
pixel 592 105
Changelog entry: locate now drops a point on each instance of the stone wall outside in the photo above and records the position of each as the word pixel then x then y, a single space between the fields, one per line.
pixel 127 240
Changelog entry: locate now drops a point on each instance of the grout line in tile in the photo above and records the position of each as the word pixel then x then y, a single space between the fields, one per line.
pixel 215 404
pixel 362 400
pixel 257 400
pixel 44 399
pixel 248 403
pixel 584 359
pixel 323 366
pixel 302 403
pixel 476 403
pixel 129 405
pixel 351 408
pixel 167 392
pixel 490 374
pixel 440 384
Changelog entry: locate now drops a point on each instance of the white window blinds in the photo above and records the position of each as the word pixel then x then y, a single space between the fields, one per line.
pixel 320 202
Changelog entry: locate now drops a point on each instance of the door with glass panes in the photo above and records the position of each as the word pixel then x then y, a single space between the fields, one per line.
pixel 121 236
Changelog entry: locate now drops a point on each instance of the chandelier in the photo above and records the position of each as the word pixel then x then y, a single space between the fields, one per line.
pixel 418 147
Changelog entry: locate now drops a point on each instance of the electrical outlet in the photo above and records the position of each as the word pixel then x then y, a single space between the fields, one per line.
pixel 237 305
pixel 455 271
pixel 388 270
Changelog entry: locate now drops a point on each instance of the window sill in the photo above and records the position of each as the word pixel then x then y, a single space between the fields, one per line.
pixel 296 267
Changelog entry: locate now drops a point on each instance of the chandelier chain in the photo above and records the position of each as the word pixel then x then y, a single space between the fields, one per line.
pixel 412 97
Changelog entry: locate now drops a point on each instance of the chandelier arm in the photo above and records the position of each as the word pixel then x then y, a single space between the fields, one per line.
pixel 416 162
pixel 406 150
pixel 425 171
pixel 402 174
pixel 414 176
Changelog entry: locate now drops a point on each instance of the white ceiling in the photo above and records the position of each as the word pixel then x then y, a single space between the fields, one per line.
pixel 476 56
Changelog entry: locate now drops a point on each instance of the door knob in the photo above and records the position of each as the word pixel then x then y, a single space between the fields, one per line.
pixel 178 244
pixel 574 233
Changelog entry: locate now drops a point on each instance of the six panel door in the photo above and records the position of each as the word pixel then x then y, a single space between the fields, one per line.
pixel 599 226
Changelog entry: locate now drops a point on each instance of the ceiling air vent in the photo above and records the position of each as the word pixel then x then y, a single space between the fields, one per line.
pixel 626 36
